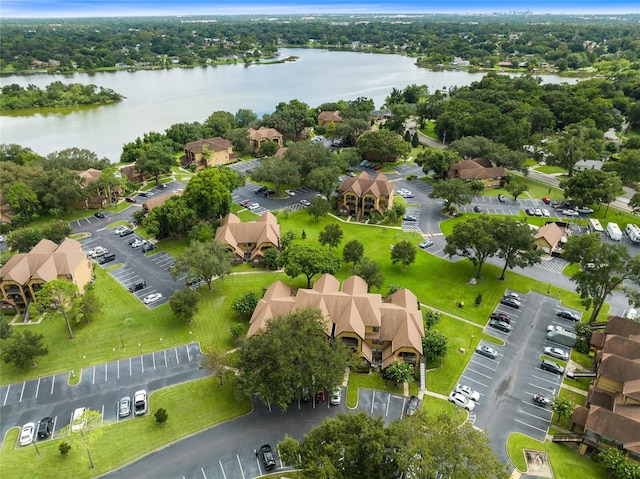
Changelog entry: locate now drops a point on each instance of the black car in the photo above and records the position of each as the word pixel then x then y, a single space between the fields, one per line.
pixel 137 286
pixel 511 302
pixel 266 453
pixel 126 232
pixel 133 240
pixel 260 189
pixel 144 194
pixel 99 215
pixel 530 212
pixel 541 400
pixel 477 209
pixel 501 198
pixel 410 218
pixel 45 428
pixel 107 258
pixel 552 367
pixel 147 247
pixel 501 325
pixel 269 193
pixel 570 315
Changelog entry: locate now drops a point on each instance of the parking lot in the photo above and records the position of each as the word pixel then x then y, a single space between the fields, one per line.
pixel 100 387
pixel 507 383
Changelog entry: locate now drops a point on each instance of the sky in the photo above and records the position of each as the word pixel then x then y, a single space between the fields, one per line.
pixel 116 8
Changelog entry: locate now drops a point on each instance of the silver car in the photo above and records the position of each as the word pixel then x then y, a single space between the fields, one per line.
pixel 124 407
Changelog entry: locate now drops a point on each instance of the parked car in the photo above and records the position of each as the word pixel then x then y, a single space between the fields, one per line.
pixel 119 230
pixel 290 192
pixel 140 402
pixel 477 209
pixel 137 243
pixel 27 433
pixel 125 232
pixel 2 238
pixel 45 427
pixel 124 407
pixel 584 210
pixel 246 202
pixel 408 194
pixel 133 240
pixel 553 327
pixel 462 401
pixel 321 396
pixel 570 213
pixel 556 353
pixel 501 317
pixel 137 286
pixel 487 351
pixel 99 215
pixel 529 212
pixel 144 194
pixel 541 400
pixel 501 198
pixel 413 405
pixel 266 453
pixel 98 251
pixel 253 206
pixel 152 298
pixel 566 314
pixel 426 243
pixel 351 174
pixel 511 294
pixel 305 202
pixel 269 193
pixel 537 211
pixel 467 392
pixel 410 218
pixel 130 199
pixel 260 189
pixel 552 367
pixel 546 213
pixel 501 325
pixel 546 200
pixel 511 302
pixel 336 396
pixel 305 396
pixel 107 258
pixel 148 246
pixel 78 419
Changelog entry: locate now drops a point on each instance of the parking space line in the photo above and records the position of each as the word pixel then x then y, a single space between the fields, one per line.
pixel 106 368
pixel 532 415
pixel 386 411
pixel 94 375
pixel 532 427
pixel 373 401
pixel 188 354
pixel 477 382
pixel 22 392
pixel 240 464
pixel 53 383
pixel 153 355
pixel 37 388
pixel 221 468
pixel 484 366
pixel 177 358
pixel 482 374
pixel 118 369
pixel 205 476
pixel 130 370
pixel 165 358
pixel 545 379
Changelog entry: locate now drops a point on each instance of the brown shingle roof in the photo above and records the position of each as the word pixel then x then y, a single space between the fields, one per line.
pixel 363 184
pixel 620 369
pixel 349 311
pixel 233 232
pixel 214 144
pixel 478 168
pixel 89 175
pixel 610 425
pixel 623 347
pixel 551 233
pixel 622 327
pixel 159 200
pixel 263 133
pixel 326 116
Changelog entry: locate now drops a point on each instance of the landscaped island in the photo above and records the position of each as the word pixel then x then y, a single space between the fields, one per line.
pixel 55 95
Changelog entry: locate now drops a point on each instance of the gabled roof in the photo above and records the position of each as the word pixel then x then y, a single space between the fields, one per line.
pixel 349 311
pixel 233 232
pixel 214 144
pixel 622 327
pixel 476 169
pixel 159 200
pixel 89 175
pixel 46 261
pixel 333 116
pixel 551 233
pixel 263 133
pixel 363 184
pixel 623 429
pixel 620 369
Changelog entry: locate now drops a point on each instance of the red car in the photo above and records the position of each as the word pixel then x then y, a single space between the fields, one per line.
pixel 546 200
pixel 321 396
pixel 130 199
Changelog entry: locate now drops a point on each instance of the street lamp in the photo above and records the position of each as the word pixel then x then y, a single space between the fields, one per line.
pixel 122 342
pixel 471 340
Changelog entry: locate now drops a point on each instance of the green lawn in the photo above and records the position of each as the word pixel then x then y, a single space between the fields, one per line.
pixel 191 407
pixel 565 462
pixel 551 169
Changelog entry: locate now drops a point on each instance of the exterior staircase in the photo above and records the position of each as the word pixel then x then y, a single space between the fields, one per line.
pixel 423 376
pixel 567 438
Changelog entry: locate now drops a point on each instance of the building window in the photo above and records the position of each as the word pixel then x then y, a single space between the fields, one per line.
pixel 376 329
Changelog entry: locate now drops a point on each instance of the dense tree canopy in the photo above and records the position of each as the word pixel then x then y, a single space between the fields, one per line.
pixel 308 260
pixel 292 352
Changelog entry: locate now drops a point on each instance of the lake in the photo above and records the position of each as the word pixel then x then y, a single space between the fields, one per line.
pixel 157 99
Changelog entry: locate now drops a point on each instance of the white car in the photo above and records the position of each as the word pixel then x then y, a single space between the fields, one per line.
pixel 336 396
pixel 305 202
pixel 27 433
pixel 253 206
pixel 556 353
pixel 138 242
pixel 2 238
pixel 537 212
pixel 98 251
pixel 119 230
pixel 290 192
pixel 152 298
pixel 467 392
pixel 584 210
pixel 78 419
pixel 462 401
pixel 546 213
pixel 553 327
pixel 571 213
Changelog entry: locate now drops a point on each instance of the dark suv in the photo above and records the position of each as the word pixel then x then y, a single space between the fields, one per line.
pixel 137 286
pixel 45 428
pixel 267 456
pixel 552 367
